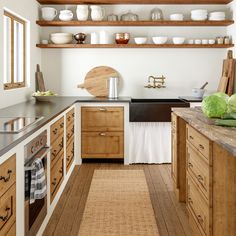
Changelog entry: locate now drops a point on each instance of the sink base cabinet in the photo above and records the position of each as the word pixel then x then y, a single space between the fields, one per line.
pixel 102 132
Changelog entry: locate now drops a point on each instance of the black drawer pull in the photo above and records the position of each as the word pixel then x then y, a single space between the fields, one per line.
pixel 199 218
pixel 200 178
pixel 190 200
pixel 54 181
pixel 190 164
pixel 55 131
pixel 201 146
pixel 62 125
pixel 4 218
pixel 6 179
pixel 191 137
pixel 68 118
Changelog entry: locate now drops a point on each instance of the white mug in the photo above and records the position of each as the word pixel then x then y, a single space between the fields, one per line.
pixel 49 13
pixel 94 39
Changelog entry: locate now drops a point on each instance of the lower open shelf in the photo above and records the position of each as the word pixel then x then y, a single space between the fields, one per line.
pixel 135 45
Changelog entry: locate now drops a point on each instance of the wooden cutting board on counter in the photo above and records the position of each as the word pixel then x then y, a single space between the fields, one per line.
pixel 95 81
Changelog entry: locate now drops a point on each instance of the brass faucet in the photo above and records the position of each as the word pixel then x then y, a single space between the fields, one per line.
pixel 158 82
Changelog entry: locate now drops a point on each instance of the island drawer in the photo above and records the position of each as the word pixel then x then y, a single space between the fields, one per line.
pixel 7 174
pixel 69 154
pixel 70 131
pixel 197 208
pixel 7 210
pixel 199 170
pixel 57 150
pixel 199 141
pixel 102 118
pixel 70 116
pixel 56 129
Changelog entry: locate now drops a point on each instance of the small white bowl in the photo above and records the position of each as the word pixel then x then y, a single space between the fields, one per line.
pixel 178 40
pixel 177 17
pixel 211 41
pixel 205 41
pixel 140 40
pixel 61 38
pixel 198 41
pixel 159 39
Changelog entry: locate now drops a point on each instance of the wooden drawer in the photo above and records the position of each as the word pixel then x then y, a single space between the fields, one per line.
pixel 57 150
pixel 12 231
pixel 7 174
pixel 70 116
pixel 199 170
pixel 56 129
pixel 102 118
pixel 69 155
pixel 197 208
pixel 200 142
pixel 56 177
pixel 174 119
pixel 103 144
pixel 7 210
pixel 70 131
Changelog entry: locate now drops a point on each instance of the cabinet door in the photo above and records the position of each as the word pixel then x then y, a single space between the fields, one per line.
pixel 102 145
pixel 102 118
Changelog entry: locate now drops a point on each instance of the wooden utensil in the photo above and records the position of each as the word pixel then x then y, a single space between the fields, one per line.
pixel 229 69
pixel 96 80
pixel 40 86
pixel 223 83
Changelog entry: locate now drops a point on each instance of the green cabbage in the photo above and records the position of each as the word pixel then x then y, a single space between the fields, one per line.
pixel 214 106
pixel 232 103
pixel 222 95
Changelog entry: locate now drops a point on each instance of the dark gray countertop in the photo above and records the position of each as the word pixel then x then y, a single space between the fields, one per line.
pixel 48 110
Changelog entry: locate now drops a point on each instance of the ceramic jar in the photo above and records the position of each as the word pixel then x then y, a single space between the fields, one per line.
pixel 66 15
pixel 97 13
pixel 82 12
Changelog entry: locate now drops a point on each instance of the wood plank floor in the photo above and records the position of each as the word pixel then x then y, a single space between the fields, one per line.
pixel 171 216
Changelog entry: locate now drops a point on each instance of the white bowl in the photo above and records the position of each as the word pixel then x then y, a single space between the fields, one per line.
pixel 159 39
pixel 211 41
pixel 177 17
pixel 198 17
pixel 178 40
pixel 198 93
pixel 61 38
pixel 140 40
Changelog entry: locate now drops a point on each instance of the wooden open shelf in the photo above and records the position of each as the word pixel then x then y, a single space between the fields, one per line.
pixel 134 46
pixel 135 23
pixel 134 1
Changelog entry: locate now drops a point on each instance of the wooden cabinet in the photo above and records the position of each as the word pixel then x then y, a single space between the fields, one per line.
pixel 8 196
pixel 57 156
pixel 70 144
pixel 178 167
pixel 102 132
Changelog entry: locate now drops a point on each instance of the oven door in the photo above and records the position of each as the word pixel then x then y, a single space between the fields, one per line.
pixel 36 212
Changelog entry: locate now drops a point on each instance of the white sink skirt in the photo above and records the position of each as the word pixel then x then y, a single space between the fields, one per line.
pixel 150 142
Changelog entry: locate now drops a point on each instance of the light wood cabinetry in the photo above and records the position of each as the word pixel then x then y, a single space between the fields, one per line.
pixel 70 128
pixel 57 156
pixel 210 177
pixel 8 196
pixel 102 132
pixel 179 156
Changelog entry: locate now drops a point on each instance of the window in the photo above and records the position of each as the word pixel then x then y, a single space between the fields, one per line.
pixel 14 51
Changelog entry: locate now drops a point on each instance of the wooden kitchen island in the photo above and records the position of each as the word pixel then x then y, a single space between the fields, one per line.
pixel 204 172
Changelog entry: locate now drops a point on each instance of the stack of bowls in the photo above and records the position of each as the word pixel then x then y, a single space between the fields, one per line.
pixel 61 38
pixel 220 15
pixel 199 14
pixel 177 17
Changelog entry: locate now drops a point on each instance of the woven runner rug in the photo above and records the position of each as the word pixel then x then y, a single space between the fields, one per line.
pixel 118 203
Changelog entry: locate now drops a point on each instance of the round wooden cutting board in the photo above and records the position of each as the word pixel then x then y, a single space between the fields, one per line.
pixel 96 80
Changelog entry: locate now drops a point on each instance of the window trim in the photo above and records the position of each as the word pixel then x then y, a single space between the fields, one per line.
pixel 13 84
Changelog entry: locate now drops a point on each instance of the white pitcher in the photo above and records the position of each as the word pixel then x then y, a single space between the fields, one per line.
pixel 97 13
pixel 82 12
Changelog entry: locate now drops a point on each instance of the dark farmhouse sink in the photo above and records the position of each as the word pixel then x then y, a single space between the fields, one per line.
pixel 153 110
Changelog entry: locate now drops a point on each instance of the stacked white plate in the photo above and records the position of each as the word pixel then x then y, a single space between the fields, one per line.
pixel 199 14
pixel 217 15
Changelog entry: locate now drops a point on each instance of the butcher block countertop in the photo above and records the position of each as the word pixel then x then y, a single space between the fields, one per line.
pixel 224 136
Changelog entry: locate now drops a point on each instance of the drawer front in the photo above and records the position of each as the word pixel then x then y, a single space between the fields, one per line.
pixel 12 231
pixel 69 155
pixel 70 116
pixel 56 177
pixel 57 129
pixel 103 144
pixel 7 174
pixel 199 170
pixel 102 118
pixel 174 119
pixel 70 132
pixel 200 142
pixel 197 208
pixel 7 210
pixel 57 150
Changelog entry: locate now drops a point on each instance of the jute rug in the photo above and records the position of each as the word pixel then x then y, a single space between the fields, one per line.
pixel 118 204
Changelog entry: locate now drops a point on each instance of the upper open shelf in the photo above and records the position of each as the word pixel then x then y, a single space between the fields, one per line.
pixel 136 23
pixel 63 2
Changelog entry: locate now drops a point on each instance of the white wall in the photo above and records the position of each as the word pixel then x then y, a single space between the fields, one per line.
pixel 184 68
pixel 28 9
